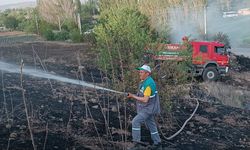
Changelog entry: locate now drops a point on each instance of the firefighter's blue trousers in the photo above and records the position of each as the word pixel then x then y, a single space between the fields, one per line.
pixel 150 123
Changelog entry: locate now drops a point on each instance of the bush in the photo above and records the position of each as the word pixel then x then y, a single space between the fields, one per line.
pixel 46 30
pixel 49 35
pixel 62 36
pixel 75 36
pixel 27 26
pixel 69 25
pixel 11 22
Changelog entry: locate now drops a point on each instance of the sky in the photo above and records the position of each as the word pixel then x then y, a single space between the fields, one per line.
pixel 6 2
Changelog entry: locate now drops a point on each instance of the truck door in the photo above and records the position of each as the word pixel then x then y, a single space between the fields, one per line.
pixel 220 56
pixel 204 50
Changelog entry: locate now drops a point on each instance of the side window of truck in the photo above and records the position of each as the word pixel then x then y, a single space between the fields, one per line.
pixel 203 48
pixel 219 50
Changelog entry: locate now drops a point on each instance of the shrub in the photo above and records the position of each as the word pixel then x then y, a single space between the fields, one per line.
pixel 11 22
pixel 62 35
pixel 69 25
pixel 27 26
pixel 75 36
pixel 49 35
pixel 43 26
pixel 46 30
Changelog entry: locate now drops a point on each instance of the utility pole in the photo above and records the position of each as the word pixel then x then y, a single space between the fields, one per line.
pixel 36 17
pixel 205 21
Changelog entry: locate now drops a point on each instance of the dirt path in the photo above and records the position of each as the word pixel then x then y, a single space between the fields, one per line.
pixel 12 33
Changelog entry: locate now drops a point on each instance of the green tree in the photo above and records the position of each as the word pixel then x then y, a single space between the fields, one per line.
pixel 121 36
pixel 11 22
pixel 222 37
pixel 29 21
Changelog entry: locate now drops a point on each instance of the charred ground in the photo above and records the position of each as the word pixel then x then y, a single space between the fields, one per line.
pixel 66 116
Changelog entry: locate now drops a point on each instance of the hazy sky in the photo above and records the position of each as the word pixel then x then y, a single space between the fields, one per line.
pixel 5 2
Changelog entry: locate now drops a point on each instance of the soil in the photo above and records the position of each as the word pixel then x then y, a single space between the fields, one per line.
pixel 67 116
pixel 11 33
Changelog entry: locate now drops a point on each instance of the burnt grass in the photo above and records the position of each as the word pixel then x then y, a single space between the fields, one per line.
pixel 67 116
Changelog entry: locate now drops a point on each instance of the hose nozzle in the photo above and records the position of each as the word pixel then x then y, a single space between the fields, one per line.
pixel 125 94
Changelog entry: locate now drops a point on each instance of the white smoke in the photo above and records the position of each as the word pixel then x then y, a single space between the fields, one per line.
pixel 192 23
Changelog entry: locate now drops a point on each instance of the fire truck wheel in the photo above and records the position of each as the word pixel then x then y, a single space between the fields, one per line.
pixel 210 74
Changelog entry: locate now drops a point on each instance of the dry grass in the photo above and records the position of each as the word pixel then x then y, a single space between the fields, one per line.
pixel 241 76
pixel 227 94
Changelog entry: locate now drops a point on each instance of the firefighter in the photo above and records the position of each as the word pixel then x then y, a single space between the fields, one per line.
pixel 147 105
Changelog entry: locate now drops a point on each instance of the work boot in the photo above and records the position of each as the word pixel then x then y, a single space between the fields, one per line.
pixel 157 146
pixel 136 146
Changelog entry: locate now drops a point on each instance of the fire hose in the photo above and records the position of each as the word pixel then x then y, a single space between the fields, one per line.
pixel 184 124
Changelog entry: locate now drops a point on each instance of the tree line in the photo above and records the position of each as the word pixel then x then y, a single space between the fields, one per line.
pixel 53 19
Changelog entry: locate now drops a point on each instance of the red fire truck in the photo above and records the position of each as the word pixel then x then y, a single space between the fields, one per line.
pixel 210 60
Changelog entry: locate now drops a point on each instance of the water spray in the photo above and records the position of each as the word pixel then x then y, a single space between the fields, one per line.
pixel 41 74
